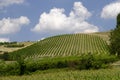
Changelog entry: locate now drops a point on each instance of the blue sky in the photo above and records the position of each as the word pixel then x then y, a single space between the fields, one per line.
pixel 29 20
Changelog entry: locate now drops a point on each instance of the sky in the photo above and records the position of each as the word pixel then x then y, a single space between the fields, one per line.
pixel 32 20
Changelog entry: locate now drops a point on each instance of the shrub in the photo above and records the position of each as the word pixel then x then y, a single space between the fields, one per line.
pixel 11 68
pixel 94 61
pixel 5 56
pixel 87 61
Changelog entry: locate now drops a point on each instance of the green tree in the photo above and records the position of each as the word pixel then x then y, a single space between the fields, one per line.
pixel 118 20
pixel 115 39
pixel 22 66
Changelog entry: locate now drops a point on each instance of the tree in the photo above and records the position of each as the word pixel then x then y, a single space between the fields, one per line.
pixel 21 63
pixel 115 38
pixel 118 20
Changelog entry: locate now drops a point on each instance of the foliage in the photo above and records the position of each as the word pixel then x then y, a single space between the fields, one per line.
pixel 14 45
pixel 118 20
pixel 22 66
pixel 88 61
pixel 93 61
pixel 115 39
pixel 11 44
pixel 4 56
pixel 7 43
pixel 9 68
pixel 68 74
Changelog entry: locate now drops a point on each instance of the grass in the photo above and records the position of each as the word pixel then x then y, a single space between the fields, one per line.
pixel 70 74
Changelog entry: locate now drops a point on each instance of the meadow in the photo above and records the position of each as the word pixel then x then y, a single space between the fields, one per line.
pixel 69 74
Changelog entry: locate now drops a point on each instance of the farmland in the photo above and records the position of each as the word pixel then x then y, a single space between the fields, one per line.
pixel 56 58
pixel 64 45
pixel 11 49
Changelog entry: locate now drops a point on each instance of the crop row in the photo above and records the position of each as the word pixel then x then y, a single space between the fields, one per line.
pixel 65 45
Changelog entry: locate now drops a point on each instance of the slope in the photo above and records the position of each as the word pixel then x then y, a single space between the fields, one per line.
pixel 64 45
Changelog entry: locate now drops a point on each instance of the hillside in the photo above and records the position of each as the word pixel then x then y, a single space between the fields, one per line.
pixel 64 45
pixel 103 35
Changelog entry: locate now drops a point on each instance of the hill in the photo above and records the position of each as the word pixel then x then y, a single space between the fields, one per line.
pixel 64 45
pixel 103 35
pixel 72 51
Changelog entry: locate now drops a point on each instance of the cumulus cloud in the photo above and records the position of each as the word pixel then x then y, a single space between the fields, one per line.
pixel 79 11
pixel 111 10
pixel 56 21
pixel 8 25
pixel 5 3
pixel 4 40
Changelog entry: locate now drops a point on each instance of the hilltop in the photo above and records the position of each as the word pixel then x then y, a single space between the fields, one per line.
pixel 103 35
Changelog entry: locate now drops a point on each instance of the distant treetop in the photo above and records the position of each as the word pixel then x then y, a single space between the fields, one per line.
pixel 118 20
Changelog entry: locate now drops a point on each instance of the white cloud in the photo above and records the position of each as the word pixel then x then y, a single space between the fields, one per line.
pixel 111 10
pixel 79 11
pixel 8 25
pixel 4 40
pixel 5 3
pixel 56 21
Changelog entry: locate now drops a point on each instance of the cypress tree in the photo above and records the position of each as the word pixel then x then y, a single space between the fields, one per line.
pixel 115 38
pixel 118 20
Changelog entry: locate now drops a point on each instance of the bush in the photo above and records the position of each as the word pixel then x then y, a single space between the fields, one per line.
pixel 4 56
pixel 93 61
pixel 87 61
pixel 11 68
pixel 50 63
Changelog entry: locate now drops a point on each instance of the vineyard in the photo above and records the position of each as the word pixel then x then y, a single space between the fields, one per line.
pixel 64 45
pixel 75 52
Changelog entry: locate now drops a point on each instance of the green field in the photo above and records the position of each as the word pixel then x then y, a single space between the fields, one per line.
pixel 67 74
pixel 64 45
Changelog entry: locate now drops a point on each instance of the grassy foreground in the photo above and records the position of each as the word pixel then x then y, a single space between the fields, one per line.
pixel 67 74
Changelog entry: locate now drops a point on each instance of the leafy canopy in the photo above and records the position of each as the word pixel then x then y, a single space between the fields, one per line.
pixel 115 38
